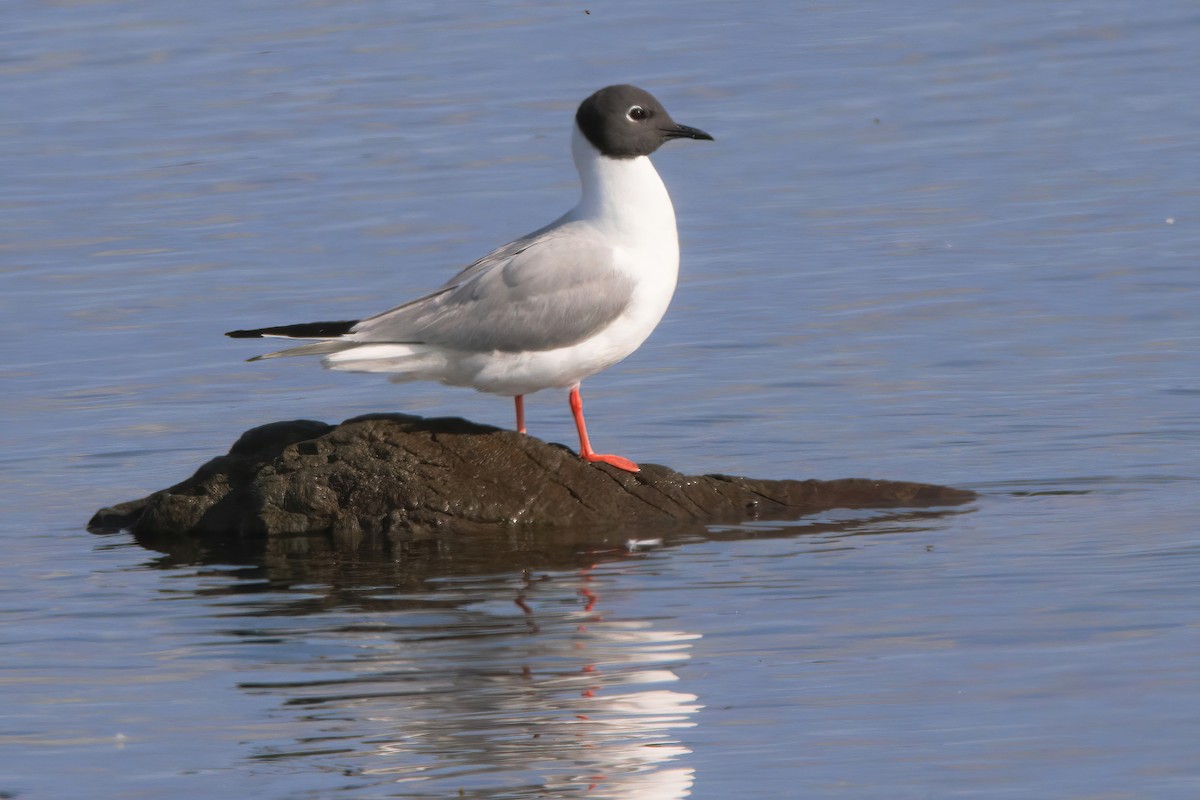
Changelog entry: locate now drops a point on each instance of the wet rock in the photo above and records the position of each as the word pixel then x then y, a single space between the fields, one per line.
pixel 382 482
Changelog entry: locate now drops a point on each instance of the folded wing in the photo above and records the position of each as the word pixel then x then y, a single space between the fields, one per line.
pixel 551 289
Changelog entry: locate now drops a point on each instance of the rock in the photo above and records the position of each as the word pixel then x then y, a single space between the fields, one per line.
pixel 379 482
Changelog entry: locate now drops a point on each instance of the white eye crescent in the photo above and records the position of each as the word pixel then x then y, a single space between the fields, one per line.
pixel 637 114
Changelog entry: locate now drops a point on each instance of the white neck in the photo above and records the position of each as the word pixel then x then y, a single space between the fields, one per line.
pixel 625 196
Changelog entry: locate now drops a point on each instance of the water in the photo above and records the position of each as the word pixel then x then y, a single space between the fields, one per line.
pixel 930 243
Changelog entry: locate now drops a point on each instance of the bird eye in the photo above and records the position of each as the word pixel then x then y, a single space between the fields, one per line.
pixel 637 113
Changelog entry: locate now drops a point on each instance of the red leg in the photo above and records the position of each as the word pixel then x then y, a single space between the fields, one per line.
pixel 585 447
pixel 520 402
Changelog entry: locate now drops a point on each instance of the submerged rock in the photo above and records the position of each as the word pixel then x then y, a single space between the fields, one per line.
pixel 377 482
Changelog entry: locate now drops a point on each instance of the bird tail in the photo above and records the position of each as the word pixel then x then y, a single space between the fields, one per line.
pixel 404 360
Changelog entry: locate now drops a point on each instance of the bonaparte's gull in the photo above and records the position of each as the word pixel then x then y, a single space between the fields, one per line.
pixel 556 305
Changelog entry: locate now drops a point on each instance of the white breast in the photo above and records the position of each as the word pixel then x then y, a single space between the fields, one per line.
pixel 627 201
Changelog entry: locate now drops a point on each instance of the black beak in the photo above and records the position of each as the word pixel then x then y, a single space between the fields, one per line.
pixel 685 132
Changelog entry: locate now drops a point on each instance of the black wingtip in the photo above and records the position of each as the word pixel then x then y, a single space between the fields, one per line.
pixel 305 330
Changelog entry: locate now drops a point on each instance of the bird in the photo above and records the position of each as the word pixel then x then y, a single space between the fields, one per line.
pixel 548 309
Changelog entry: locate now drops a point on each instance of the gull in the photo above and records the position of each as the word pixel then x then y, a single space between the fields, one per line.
pixel 552 307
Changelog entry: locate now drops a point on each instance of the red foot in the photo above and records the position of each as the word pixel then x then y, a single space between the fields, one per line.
pixel 585 446
pixel 612 461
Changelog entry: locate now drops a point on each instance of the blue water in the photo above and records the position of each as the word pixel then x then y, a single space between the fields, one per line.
pixel 951 244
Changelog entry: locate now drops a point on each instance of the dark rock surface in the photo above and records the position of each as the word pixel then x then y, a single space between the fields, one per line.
pixel 381 482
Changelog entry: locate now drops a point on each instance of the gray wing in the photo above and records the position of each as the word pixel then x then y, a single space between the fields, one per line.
pixel 553 288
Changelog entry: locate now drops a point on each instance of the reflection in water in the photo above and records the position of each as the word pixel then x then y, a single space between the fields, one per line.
pixel 464 673
pixel 509 684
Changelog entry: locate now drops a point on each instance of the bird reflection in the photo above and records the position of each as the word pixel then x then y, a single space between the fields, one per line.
pixel 544 691
pixel 626 734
